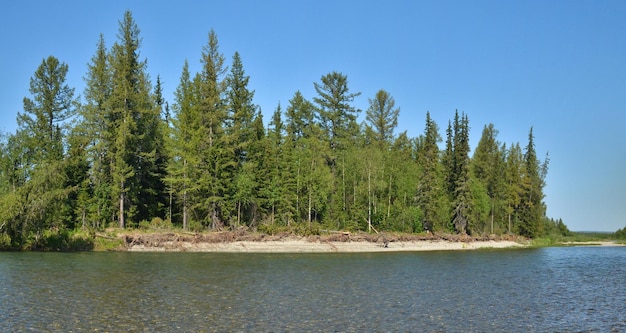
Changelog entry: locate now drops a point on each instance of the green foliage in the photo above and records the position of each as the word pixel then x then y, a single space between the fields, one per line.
pixel 60 240
pixel 211 164
pixel 383 117
pixel 108 243
pixel 5 242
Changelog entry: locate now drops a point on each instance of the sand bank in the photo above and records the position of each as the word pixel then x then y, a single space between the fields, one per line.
pixel 307 246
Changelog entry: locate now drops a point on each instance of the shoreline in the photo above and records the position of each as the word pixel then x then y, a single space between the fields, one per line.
pixel 305 246
pixel 342 242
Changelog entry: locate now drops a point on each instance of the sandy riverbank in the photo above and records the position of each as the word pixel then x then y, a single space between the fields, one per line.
pixel 303 246
pixel 294 244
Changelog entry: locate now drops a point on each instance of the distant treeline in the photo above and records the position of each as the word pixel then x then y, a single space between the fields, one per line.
pixel 122 156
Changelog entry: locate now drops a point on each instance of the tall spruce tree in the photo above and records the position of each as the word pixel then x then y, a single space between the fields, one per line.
pixel 429 189
pixel 514 172
pixel 532 209
pixel 460 174
pixel 211 144
pixel 488 168
pixel 134 128
pixel 96 121
pixel 241 112
pixel 180 179
pixel 276 171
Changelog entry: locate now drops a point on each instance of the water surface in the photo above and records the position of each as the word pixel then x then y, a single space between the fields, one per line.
pixel 550 289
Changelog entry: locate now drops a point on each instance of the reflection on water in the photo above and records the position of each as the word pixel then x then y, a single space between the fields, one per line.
pixel 551 289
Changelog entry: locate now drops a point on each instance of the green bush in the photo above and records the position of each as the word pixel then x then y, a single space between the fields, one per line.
pixel 273 229
pixel 60 240
pixel 5 242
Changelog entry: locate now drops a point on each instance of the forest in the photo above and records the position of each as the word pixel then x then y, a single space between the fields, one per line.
pixel 122 156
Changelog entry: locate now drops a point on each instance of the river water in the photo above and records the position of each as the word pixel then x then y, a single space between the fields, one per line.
pixel 566 289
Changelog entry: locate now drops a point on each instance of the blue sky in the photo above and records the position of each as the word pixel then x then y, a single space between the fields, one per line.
pixel 559 66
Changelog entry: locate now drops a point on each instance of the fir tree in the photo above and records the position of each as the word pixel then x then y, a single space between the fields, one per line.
pixel 211 145
pixel 96 121
pixel 182 153
pixel 429 186
pixel 134 126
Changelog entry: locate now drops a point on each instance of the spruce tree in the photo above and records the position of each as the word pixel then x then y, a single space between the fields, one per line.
pixel 514 172
pixel 461 201
pixel 488 168
pixel 241 112
pixel 212 147
pixel 180 179
pixel 96 121
pixel 276 171
pixel 532 208
pixel 429 189
pixel 134 128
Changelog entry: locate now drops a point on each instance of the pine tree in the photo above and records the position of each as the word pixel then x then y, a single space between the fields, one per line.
pixel 336 115
pixel 337 119
pixel 53 103
pixel 32 192
pixel 383 116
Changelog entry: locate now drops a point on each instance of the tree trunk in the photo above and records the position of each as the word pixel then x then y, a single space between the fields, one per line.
pixel 369 198
pixel 184 196
pixel 185 210
pixel 238 212
pixel 492 211
pixel 121 220
pixel 310 201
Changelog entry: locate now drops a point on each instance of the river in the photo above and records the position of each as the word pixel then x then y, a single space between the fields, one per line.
pixel 564 289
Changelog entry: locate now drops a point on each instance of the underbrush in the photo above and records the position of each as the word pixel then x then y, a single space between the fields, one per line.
pixel 60 240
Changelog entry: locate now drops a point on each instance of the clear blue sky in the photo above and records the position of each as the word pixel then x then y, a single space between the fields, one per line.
pixel 559 66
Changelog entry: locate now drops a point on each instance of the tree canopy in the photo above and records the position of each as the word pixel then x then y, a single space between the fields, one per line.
pixel 120 157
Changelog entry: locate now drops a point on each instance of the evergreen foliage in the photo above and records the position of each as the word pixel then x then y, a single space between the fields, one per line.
pixel 212 163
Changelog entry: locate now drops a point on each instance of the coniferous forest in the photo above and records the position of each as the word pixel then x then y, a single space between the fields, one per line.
pixel 122 156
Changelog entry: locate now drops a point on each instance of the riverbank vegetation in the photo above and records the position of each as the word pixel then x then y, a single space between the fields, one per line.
pixel 123 156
